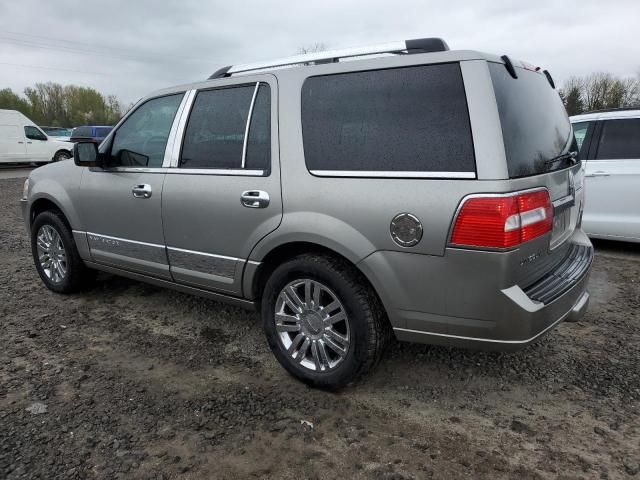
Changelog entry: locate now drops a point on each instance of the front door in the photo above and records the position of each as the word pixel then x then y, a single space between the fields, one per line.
pixel 224 194
pixel 121 202
pixel 613 182
pixel 38 147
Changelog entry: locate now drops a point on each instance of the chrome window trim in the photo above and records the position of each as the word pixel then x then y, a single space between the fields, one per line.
pixel 194 252
pixel 166 162
pixel 391 174
pixel 180 127
pixel 131 169
pixel 246 128
pixel 214 171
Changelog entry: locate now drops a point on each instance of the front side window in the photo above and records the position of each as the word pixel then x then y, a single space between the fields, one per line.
pixel 142 139
pixel 33 133
pixel 620 139
pixel 411 119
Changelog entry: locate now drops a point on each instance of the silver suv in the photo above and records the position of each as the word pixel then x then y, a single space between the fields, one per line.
pixel 351 196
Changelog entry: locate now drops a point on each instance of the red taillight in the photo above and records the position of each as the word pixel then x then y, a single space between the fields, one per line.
pixel 503 221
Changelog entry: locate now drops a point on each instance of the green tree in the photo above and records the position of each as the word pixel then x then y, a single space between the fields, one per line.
pixel 571 95
pixel 12 101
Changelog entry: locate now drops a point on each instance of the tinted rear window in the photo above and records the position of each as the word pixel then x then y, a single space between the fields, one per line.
pixel 535 126
pixel 412 119
pixel 82 132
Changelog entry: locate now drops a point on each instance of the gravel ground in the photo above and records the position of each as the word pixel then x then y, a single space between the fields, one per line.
pixel 132 381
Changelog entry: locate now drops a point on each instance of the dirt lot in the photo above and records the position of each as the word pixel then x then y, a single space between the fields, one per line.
pixel 132 381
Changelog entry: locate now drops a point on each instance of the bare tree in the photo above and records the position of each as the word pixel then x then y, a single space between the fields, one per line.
pixel 599 91
pixel 313 48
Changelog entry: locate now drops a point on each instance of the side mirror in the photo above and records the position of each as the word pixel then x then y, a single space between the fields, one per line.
pixel 85 154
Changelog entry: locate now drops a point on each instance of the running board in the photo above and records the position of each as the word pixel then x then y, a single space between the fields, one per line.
pixel 158 282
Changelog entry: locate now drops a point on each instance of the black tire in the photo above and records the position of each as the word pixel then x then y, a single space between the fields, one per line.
pixel 61 155
pixel 77 276
pixel 368 324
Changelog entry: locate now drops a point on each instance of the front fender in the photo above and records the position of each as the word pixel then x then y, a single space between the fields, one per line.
pixel 56 183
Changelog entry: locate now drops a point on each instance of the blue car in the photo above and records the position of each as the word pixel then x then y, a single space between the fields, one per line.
pixel 90 133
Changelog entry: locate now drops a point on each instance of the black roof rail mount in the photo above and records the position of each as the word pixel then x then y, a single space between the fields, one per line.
pixel 426 45
pixel 221 73
pixel 509 66
pixel 549 78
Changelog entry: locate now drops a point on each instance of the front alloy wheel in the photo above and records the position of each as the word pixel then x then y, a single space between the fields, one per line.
pixel 51 254
pixel 312 325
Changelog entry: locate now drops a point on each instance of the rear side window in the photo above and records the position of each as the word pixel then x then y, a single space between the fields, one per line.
pixel 535 125
pixel 620 139
pixel 259 142
pixel 580 132
pixel 10 131
pixel 215 133
pixel 102 132
pixel 411 119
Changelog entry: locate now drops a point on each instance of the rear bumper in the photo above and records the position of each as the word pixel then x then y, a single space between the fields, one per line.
pixel 465 299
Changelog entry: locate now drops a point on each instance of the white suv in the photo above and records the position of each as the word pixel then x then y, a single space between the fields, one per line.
pixel 609 142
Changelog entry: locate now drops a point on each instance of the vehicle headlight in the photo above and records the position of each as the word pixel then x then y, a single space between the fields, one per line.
pixel 25 189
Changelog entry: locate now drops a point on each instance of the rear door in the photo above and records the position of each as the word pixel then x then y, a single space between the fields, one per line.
pixel 12 146
pixel 613 182
pixel 223 195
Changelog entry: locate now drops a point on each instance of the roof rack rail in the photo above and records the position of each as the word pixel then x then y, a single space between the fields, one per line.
pixel 418 45
pixel 609 110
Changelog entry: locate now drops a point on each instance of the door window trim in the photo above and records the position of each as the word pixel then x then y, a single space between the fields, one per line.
pixel 182 127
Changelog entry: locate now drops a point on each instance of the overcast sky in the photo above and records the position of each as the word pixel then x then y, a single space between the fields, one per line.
pixel 131 47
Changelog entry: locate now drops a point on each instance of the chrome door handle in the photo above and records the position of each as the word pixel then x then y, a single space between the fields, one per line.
pixel 599 173
pixel 141 191
pixel 254 199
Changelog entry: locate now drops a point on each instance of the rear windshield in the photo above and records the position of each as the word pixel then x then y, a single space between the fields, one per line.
pixel 82 132
pixel 535 126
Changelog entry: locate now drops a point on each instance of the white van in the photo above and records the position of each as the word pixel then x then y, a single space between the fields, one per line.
pixel 21 140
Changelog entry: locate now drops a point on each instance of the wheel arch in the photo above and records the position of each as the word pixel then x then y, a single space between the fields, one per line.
pixel 255 280
pixel 62 150
pixel 44 204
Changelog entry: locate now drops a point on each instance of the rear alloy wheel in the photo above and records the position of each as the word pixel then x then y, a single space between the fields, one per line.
pixel 323 321
pixel 312 325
